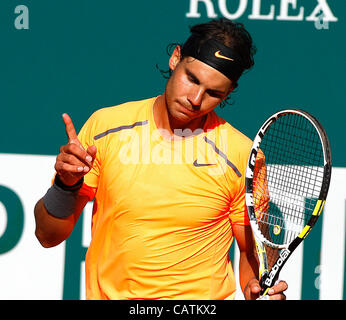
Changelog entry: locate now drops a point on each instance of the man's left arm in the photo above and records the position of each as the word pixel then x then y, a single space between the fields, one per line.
pixel 248 267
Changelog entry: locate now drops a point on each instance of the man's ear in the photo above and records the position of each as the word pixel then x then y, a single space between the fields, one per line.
pixel 175 58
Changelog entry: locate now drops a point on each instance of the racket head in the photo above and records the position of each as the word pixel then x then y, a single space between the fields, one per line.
pixel 286 183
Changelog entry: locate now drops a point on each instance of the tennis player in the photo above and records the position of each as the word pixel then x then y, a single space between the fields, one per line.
pixel 167 178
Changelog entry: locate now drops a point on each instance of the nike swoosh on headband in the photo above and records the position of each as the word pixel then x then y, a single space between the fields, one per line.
pixel 219 55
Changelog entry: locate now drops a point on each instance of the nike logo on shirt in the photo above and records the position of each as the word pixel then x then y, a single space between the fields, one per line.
pixel 196 164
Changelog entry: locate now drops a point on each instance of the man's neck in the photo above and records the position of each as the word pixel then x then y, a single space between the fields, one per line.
pixel 166 123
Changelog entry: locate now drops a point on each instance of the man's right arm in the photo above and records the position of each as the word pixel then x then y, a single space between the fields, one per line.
pixel 72 163
pixel 51 231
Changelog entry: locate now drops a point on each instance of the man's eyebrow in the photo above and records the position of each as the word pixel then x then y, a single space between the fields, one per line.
pixel 192 76
pixel 196 80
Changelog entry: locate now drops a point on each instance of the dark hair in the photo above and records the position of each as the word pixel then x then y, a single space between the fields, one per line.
pixel 231 34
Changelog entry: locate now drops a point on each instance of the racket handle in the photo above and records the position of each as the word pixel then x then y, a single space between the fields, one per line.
pixel 266 283
pixel 264 287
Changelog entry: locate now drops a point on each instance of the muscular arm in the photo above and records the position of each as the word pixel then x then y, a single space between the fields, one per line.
pixel 248 265
pixel 72 163
pixel 50 231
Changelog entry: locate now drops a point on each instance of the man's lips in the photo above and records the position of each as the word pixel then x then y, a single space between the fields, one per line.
pixel 187 110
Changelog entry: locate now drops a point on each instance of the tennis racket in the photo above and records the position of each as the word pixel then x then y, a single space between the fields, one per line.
pixel 286 185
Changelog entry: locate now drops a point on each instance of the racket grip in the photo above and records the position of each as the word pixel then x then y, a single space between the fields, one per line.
pixel 265 285
pixel 264 289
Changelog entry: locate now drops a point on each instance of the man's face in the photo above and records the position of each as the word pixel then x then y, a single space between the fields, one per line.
pixel 193 90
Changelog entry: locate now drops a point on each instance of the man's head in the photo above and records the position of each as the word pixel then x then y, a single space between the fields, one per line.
pixel 206 69
pixel 222 44
pixel 221 32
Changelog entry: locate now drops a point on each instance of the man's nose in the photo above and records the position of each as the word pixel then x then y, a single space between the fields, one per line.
pixel 196 97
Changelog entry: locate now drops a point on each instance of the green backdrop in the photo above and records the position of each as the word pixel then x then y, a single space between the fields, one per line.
pixel 78 56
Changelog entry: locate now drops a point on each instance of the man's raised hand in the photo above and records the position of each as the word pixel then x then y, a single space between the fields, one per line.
pixel 73 161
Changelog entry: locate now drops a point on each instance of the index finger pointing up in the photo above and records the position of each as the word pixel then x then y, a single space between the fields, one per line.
pixel 69 128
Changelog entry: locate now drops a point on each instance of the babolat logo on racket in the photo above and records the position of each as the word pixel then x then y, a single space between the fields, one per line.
pixel 283 256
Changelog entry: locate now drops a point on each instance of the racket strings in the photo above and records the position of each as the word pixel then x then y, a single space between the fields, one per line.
pixel 287 178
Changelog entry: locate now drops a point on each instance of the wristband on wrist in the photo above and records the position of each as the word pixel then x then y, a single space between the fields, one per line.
pixel 60 199
pixel 63 186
